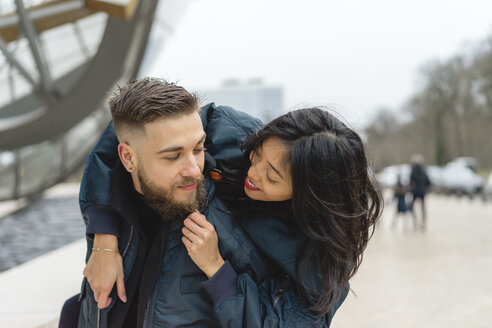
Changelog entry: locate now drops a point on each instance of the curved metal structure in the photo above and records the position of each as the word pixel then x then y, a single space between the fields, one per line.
pixel 60 60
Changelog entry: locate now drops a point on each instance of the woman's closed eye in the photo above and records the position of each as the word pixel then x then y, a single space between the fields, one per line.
pixel 270 179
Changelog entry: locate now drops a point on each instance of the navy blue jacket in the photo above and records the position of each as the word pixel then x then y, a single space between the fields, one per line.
pixel 257 297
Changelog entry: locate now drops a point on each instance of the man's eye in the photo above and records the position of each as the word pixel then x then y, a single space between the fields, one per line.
pixel 199 150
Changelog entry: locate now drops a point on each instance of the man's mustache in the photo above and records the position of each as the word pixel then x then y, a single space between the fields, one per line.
pixel 189 181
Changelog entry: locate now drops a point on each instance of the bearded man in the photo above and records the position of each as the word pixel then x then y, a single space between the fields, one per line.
pixel 156 183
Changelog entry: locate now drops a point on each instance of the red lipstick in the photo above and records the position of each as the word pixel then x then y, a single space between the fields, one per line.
pixel 250 185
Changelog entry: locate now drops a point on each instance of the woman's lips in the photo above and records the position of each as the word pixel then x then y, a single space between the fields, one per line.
pixel 189 187
pixel 250 185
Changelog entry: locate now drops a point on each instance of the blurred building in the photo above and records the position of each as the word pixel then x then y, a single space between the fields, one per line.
pixel 250 96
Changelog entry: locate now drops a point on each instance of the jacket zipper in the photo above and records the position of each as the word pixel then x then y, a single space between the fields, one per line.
pixel 124 252
pixel 129 240
pixel 281 289
pixel 279 295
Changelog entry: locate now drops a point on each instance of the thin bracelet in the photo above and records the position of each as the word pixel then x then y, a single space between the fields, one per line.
pixel 105 249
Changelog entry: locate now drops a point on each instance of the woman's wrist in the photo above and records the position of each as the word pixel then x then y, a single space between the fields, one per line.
pixel 105 241
pixel 212 269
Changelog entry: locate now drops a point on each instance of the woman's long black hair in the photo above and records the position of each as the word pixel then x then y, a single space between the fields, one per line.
pixel 335 201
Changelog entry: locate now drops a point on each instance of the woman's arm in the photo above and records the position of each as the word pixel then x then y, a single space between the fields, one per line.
pixel 94 187
pixel 104 268
pixel 238 301
pixel 275 303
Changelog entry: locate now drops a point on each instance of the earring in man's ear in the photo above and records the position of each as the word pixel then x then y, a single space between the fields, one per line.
pixel 130 169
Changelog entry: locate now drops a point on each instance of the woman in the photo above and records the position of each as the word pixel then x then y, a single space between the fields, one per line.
pixel 308 181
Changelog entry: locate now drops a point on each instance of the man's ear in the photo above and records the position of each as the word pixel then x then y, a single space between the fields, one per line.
pixel 128 157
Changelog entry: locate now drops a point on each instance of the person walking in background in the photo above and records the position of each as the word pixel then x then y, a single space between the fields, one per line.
pixel 419 183
pixel 401 203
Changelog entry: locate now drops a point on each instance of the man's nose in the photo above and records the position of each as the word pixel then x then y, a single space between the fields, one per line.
pixel 192 168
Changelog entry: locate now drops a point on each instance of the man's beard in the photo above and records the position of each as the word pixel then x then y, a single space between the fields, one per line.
pixel 162 201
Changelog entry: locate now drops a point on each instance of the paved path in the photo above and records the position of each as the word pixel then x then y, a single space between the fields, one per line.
pixel 32 294
pixel 41 268
pixel 48 223
pixel 440 278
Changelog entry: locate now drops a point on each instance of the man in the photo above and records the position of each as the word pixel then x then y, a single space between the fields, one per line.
pixel 157 181
pixel 419 183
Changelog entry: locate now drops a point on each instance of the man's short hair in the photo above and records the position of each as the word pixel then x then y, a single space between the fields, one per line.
pixel 146 100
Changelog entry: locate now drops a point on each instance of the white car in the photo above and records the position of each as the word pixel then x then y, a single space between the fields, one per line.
pixel 470 162
pixel 457 178
pixel 487 189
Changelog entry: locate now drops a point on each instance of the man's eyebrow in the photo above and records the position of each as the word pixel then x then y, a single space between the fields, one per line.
pixel 173 149
pixel 202 139
pixel 169 150
pixel 276 171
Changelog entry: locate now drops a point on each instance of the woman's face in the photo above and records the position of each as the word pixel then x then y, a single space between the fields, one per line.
pixel 269 178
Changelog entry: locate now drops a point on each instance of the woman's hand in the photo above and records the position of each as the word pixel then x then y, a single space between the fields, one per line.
pixel 103 269
pixel 200 239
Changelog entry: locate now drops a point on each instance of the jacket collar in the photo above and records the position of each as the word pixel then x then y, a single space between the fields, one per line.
pixel 122 194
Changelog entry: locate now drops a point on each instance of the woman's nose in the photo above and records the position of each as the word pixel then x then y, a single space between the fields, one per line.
pixel 253 173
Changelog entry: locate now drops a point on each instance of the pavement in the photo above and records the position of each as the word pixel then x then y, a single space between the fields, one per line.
pixel 438 278
pixel 48 223
pixel 33 293
pixel 41 257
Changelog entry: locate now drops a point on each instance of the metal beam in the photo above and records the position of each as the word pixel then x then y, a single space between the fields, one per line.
pixel 80 38
pixel 33 101
pixel 15 63
pixel 37 51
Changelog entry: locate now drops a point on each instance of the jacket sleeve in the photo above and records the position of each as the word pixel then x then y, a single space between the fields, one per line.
pixel 94 188
pixel 274 303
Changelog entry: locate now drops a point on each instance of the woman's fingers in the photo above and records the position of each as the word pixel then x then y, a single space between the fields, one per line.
pixel 120 286
pixel 103 299
pixel 188 244
pixel 194 227
pixel 198 224
pixel 193 237
pixel 199 219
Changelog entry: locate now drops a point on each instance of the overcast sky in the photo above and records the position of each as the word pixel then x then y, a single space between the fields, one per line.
pixel 359 55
